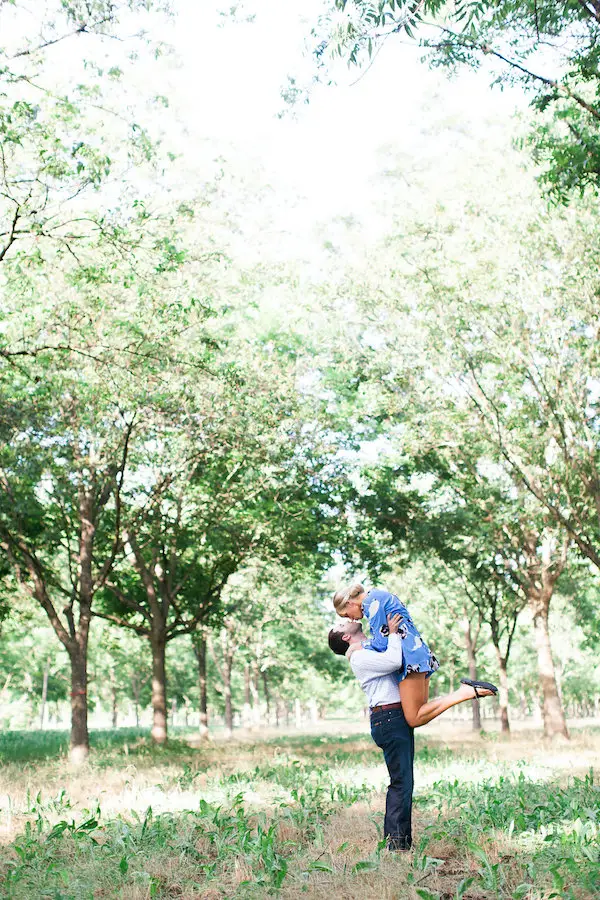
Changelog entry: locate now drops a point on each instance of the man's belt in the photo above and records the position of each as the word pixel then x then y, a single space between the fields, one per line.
pixel 386 706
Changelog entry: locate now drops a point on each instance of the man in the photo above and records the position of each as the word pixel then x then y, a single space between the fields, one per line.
pixel 377 674
pixel 392 729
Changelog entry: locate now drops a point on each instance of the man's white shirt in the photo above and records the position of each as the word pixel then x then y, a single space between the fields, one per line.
pixel 375 672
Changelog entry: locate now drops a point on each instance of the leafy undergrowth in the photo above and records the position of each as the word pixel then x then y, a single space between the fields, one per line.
pixel 296 817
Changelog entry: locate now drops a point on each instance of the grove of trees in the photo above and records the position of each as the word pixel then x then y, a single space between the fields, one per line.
pixel 187 466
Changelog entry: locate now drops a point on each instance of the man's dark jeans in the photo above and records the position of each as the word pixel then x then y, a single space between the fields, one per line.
pixel 391 732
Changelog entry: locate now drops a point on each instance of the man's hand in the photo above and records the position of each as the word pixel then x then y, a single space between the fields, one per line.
pixel 394 623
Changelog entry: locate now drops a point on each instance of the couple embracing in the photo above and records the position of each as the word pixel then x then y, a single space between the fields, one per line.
pixel 393 667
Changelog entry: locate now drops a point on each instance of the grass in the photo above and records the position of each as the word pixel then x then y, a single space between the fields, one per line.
pixel 297 816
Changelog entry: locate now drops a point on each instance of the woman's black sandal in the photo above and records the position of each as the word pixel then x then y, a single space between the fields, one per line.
pixel 485 685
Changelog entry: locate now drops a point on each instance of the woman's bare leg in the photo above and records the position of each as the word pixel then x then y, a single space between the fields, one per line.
pixel 419 709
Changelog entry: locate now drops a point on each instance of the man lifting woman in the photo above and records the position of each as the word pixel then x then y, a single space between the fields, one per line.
pixel 393 668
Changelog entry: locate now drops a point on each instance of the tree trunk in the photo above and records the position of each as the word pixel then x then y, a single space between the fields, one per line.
pixel 544 565
pixel 199 644
pixel 254 682
pixel 502 665
pixel 44 695
pixel 277 711
pixel 80 739
pixel 552 711
pixel 472 662
pixel 247 709
pixel 159 687
pixel 135 690
pixel 265 682
pixel 227 667
pixel 113 696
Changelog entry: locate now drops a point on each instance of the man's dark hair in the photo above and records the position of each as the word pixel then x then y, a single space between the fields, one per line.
pixel 337 642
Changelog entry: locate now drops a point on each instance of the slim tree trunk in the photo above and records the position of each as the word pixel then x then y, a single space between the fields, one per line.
pixel 44 695
pixel 227 667
pixel 113 697
pixel 472 662
pixel 159 687
pixel 502 665
pixel 135 690
pixel 247 709
pixel 552 711
pixel 254 682
pixel 265 682
pixel 224 666
pixel 277 711
pixel 199 644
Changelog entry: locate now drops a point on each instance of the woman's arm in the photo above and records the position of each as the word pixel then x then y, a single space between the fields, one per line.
pixel 374 663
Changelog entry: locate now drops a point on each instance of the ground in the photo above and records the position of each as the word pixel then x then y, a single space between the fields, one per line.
pixel 299 815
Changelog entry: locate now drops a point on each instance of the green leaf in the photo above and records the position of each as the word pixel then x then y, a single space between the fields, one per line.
pixel 321 867
pixel 520 891
pixel 426 894
pixel 463 886
pixel 365 865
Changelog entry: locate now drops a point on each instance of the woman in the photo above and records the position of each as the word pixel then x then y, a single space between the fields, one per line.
pixel 418 662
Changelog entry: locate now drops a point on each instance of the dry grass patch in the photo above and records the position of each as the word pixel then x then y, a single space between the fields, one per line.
pixel 290 817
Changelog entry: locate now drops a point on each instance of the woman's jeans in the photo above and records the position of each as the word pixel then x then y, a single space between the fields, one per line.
pixel 391 732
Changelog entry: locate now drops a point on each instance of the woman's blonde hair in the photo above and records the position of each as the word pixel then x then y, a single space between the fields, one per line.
pixel 342 598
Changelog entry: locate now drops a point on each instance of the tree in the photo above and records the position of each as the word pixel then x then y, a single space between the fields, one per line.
pixel 485 327
pixel 70 416
pixel 52 162
pixel 226 478
pixel 273 627
pixel 34 667
pixel 548 48
pixel 84 342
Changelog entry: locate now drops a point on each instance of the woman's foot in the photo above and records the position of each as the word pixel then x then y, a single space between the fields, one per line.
pixel 479 688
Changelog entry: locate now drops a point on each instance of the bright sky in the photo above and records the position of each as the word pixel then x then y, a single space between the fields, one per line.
pixel 225 86
pixel 288 180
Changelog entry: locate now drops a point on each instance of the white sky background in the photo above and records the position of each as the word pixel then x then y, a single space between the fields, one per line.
pixel 288 180
pixel 294 176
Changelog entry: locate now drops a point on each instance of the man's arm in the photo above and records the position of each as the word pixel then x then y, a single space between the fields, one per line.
pixel 376 663
pixel 372 663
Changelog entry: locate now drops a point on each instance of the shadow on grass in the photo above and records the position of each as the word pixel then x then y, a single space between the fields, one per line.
pixel 107 744
pixel 30 746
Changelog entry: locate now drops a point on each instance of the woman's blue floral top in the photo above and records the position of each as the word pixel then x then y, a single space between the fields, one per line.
pixel 416 655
